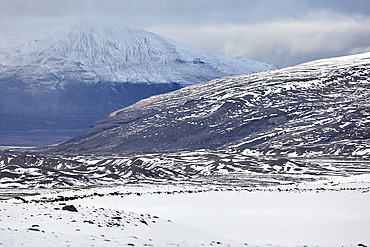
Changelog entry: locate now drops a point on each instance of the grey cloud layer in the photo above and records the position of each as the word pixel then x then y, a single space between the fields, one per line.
pixel 281 42
pixel 282 32
pixel 178 11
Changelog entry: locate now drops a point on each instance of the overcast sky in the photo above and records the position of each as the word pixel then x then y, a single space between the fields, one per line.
pixel 281 32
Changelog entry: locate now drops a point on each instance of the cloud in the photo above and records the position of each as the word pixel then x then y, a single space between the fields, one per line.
pixel 358 50
pixel 282 32
pixel 283 42
pixel 143 13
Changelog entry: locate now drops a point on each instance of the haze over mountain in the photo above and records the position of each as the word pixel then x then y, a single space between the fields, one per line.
pixel 320 108
pixel 55 82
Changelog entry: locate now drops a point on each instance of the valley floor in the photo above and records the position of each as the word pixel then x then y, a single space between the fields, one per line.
pixel 328 213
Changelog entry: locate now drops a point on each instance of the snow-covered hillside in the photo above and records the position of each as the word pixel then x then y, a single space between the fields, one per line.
pixel 277 158
pixel 55 82
pixel 307 122
pixel 311 110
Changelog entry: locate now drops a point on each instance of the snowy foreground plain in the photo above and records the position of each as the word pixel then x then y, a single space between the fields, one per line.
pixel 334 212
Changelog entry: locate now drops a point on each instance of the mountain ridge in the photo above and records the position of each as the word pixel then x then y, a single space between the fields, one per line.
pixel 316 107
pixel 55 82
pixel 114 54
pixel 310 122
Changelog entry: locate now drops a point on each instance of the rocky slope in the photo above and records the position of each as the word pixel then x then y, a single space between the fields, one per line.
pixel 305 123
pixel 315 109
pixel 223 168
pixel 55 82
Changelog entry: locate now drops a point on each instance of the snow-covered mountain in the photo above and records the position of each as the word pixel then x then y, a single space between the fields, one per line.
pixel 62 80
pixel 304 123
pixel 314 109
pixel 106 54
pixel 221 163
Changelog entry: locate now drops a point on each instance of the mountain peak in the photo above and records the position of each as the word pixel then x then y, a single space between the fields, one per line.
pixel 114 54
pixel 60 80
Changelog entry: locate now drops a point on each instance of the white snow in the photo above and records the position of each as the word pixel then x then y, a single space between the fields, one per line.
pixel 111 54
pixel 327 213
pixel 365 151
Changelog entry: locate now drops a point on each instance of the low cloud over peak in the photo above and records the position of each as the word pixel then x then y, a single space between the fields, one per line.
pixel 284 42
pixel 282 32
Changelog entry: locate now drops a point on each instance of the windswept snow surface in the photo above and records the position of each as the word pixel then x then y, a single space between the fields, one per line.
pixel 330 213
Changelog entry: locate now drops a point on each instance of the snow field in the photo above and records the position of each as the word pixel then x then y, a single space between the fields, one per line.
pixel 329 213
pixel 47 225
pixel 328 218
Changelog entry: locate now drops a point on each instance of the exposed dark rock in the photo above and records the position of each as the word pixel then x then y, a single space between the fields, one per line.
pixel 33 229
pixel 20 198
pixel 70 208
pixel 143 221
